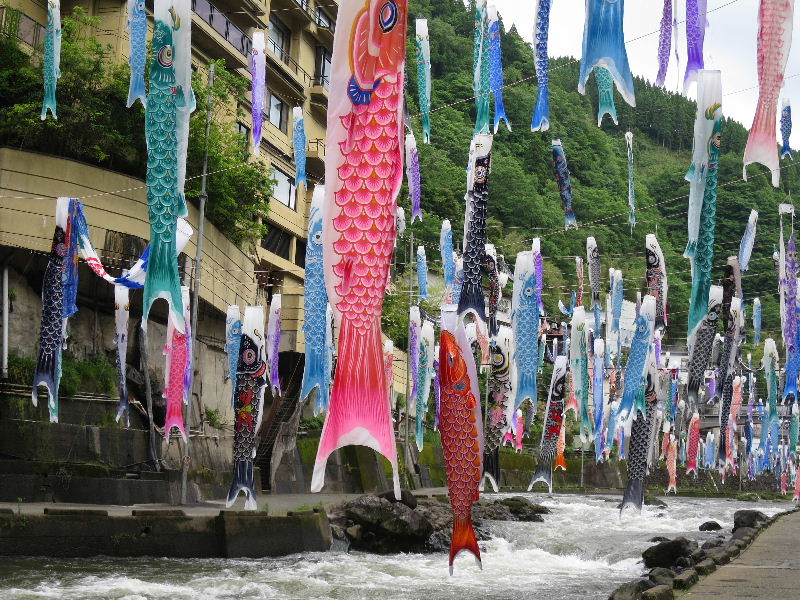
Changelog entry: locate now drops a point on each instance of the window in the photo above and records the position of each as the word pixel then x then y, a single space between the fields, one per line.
pixel 323 68
pixel 285 190
pixel 278 113
pixel 279 38
pixel 277 241
pixel 243 130
pixel 323 20
pixel 300 254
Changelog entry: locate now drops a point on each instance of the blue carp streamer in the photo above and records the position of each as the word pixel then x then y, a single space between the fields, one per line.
pixel 561 170
pixel 496 57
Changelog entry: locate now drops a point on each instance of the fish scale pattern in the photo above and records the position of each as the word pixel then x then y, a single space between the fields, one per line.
pixel 366 225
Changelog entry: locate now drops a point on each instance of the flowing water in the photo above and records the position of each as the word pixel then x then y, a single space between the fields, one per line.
pixel 582 551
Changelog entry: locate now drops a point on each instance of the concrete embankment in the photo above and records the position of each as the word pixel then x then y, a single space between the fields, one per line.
pixel 175 533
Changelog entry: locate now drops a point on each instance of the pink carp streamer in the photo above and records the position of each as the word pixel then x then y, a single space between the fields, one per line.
pixel 775 18
pixel 177 352
pixel 672 465
pixel 694 444
pixel 695 37
pixel 363 174
pixel 664 42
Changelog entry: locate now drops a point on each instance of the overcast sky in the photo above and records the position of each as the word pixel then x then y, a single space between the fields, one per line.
pixel 730 46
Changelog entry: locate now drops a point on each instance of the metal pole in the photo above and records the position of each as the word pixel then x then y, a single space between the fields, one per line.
pixel 5 320
pixel 198 260
pixel 148 392
pixel 408 356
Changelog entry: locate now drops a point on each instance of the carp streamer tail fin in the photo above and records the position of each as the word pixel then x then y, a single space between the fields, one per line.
pixel 472 299
pixel 634 495
pixel 136 90
pixel 314 376
pixel 358 414
pixel 464 539
pixel 526 388
pixel 174 419
pixel 243 482
pixel 761 146
pixel 162 281
pixel 544 473
pixel 541 113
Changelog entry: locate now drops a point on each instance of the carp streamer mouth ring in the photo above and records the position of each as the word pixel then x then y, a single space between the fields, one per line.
pixel 165 56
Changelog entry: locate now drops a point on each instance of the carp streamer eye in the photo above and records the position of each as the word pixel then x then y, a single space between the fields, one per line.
pixel 460 386
pixel 249 356
pixel 165 56
pixel 388 16
pixel 317 238
pixel 529 291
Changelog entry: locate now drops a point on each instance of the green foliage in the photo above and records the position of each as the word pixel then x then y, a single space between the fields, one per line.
pixel 313 423
pixel 523 197
pixel 96 375
pixel 214 419
pixel 94 125
pixel 21 369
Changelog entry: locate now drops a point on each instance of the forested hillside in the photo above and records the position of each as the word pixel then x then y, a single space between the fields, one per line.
pixel 524 200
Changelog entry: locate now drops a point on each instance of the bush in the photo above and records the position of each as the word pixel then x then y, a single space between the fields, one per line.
pixel 20 368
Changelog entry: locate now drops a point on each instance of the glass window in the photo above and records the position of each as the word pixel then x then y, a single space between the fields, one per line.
pixel 277 241
pixel 323 20
pixel 279 37
pixel 278 113
pixel 323 74
pixel 243 130
pixel 300 254
pixel 285 190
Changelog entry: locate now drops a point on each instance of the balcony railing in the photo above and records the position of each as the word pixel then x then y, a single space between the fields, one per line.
pixel 290 63
pixel 223 26
pixel 304 4
pixel 15 23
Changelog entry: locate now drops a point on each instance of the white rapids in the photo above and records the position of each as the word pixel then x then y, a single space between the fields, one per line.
pixel 581 551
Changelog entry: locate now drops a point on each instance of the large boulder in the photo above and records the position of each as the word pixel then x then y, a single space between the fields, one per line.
pixel 631 590
pixel 406 498
pixel 713 543
pixel 387 527
pixel 660 592
pixel 710 526
pixel 662 576
pixel 666 554
pixel 748 518
pixel 523 509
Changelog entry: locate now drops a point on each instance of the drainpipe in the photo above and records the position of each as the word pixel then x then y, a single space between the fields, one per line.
pixel 5 318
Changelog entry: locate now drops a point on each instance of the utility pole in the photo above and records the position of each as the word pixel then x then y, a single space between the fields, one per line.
pixel 410 268
pixel 198 260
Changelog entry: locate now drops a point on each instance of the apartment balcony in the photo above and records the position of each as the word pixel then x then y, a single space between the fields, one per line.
pixel 287 68
pixel 320 89
pixel 15 23
pixel 315 154
pixel 212 22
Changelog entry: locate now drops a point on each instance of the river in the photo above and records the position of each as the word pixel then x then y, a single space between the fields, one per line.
pixel 582 551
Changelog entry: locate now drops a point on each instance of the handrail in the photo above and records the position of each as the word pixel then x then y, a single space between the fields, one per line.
pixel 289 61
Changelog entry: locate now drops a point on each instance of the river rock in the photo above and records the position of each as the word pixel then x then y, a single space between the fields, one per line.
pixel 387 527
pixel 685 580
pixel 705 567
pixel 698 555
pixel 719 556
pixel 658 538
pixel 710 526
pixel 406 498
pixel 748 518
pixel 653 501
pixel 666 554
pixel 659 592
pixel 662 576
pixel 713 543
pixel 631 590
pixel 744 533
pixel 523 509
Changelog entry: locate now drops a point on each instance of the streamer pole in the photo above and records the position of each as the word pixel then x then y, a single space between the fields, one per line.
pixel 408 361
pixel 198 259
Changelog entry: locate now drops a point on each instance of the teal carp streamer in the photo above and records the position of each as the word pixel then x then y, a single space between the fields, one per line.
pixel 423 47
pixel 605 95
pixel 51 63
pixel 165 200
pixel 481 82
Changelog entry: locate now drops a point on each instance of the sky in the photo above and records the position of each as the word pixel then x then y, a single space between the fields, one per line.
pixel 730 46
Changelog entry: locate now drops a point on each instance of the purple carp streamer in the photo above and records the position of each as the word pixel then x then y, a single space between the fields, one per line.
pixel 258 72
pixel 604 45
pixel 274 344
pixel 413 177
pixel 786 128
pixel 775 18
pixel 541 31
pixel 496 58
pixel 695 36
pixel 664 42
pixel 561 170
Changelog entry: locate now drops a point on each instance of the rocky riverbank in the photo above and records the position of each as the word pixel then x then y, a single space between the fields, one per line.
pixel 675 565
pixel 378 523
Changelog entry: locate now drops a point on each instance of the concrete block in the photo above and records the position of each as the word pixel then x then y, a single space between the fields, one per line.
pixel 76 512
pixel 685 580
pixel 659 592
pixel 706 567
